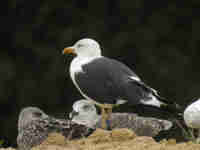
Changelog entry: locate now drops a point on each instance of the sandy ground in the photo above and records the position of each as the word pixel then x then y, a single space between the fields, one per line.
pixel 118 139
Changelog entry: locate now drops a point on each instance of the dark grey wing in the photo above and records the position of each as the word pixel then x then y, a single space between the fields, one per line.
pixel 102 79
pixel 133 84
pixel 142 126
pixel 106 80
pixel 97 80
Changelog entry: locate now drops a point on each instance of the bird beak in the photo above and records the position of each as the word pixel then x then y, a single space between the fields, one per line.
pixel 69 50
pixel 73 114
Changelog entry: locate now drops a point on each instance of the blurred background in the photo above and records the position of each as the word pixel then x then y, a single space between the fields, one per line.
pixel 158 39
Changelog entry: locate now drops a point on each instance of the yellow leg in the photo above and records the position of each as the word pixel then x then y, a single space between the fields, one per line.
pixel 106 110
pixel 109 112
pixel 103 118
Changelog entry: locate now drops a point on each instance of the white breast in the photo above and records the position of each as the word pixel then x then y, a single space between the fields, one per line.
pixel 76 67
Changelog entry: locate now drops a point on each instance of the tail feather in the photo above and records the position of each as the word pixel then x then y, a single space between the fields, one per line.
pixel 170 106
pixel 174 109
pixel 154 99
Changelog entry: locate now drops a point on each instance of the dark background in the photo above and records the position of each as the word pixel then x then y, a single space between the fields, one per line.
pixel 159 39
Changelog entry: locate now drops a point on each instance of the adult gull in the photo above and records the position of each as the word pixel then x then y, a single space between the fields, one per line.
pixel 107 82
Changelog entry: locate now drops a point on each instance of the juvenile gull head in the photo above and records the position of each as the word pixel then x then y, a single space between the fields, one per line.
pixel 84 112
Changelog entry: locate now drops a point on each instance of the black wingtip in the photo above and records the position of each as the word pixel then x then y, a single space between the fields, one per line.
pixel 173 108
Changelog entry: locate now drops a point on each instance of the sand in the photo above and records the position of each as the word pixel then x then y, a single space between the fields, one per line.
pixel 118 139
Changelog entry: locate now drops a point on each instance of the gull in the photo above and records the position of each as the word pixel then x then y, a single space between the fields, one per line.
pixel 85 113
pixel 108 82
pixel 34 126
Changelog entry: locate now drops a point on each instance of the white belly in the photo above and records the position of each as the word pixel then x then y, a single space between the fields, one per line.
pixel 75 67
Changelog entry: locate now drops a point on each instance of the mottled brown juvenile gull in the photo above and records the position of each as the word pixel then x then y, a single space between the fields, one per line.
pixel 108 82
pixel 34 126
pixel 85 113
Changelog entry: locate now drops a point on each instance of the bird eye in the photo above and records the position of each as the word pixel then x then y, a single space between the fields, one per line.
pixel 37 114
pixel 79 45
pixel 86 107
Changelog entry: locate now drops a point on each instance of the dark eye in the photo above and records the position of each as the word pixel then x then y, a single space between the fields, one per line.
pixel 86 107
pixel 79 45
pixel 37 114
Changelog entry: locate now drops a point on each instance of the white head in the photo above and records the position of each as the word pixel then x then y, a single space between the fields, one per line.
pixel 192 115
pixel 84 112
pixel 84 48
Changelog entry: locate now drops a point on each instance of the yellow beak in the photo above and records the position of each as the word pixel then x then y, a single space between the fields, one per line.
pixel 69 50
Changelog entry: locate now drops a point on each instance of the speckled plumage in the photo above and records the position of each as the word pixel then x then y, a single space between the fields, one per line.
pixel 142 126
pixel 34 126
pixel 85 113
